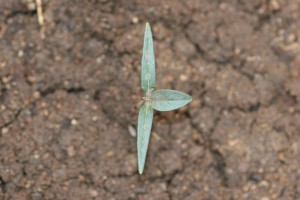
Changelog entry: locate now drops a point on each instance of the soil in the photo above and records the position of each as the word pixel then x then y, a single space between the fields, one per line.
pixel 68 103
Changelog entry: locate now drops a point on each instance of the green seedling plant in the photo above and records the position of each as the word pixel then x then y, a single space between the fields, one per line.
pixel 160 100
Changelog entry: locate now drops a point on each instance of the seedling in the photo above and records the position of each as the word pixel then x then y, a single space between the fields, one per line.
pixel 161 100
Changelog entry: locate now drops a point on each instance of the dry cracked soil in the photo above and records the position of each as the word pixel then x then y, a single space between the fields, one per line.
pixel 67 101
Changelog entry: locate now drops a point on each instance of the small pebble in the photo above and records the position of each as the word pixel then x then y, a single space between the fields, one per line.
pixel 20 53
pixel 31 79
pixel 99 59
pixel 36 94
pixel 71 151
pixel 291 109
pixel 2 107
pixel 2 64
pixel 275 5
pixel 46 112
pixel 237 51
pixel 4 130
pixel 140 190
pixel 95 118
pixel 36 156
pixel 58 106
pixel 291 38
pixel 183 77
pixel 74 122
pixel 110 154
pixel 264 184
pixel 169 78
pixel 132 131
pixel 31 5
pixel 135 20
pixel 93 193
pixel 6 79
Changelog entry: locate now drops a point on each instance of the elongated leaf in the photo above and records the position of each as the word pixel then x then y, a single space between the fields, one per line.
pixel 144 130
pixel 165 100
pixel 148 62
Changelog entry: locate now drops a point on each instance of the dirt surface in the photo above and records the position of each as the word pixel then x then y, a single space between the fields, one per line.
pixel 66 102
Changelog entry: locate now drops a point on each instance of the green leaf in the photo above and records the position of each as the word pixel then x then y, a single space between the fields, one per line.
pixel 144 130
pixel 148 62
pixel 165 100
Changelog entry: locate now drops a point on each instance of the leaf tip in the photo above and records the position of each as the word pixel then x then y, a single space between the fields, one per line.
pixel 141 169
pixel 148 28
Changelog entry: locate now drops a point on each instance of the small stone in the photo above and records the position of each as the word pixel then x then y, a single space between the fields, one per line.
pixel 95 118
pixel 28 112
pixel 4 130
pixel 110 154
pixel 74 122
pixel 264 184
pixel 237 51
pixel 256 177
pixel 36 156
pixel 46 112
pixel 31 5
pixel 291 38
pixel 5 80
pixel 196 103
pixel 36 94
pixel 261 170
pixel 135 20
pixel 57 58
pixel 163 186
pixel 2 107
pixel 183 77
pixel 275 5
pixel 132 131
pixel 71 151
pixel 291 109
pixel 253 187
pixel 99 59
pixel 223 6
pixel 2 64
pixel 196 137
pixel 140 190
pixel 246 187
pixel 31 79
pixel 58 106
pixel 169 78
pixel 93 193
pixel 43 104
pixel 281 157
pixel 46 156
pixel 20 53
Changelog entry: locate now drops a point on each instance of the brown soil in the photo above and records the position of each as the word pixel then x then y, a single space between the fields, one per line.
pixel 66 102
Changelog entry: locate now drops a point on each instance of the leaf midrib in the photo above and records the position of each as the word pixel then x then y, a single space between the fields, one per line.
pixel 170 99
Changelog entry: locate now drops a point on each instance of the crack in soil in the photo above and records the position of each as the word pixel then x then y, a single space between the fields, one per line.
pixel 220 165
pixel 12 120
pixel 220 162
pixel 2 185
pixel 57 86
pixel 50 90
pixel 20 12
pixel 284 56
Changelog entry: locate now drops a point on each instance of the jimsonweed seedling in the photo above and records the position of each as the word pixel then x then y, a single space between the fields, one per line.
pixel 161 100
